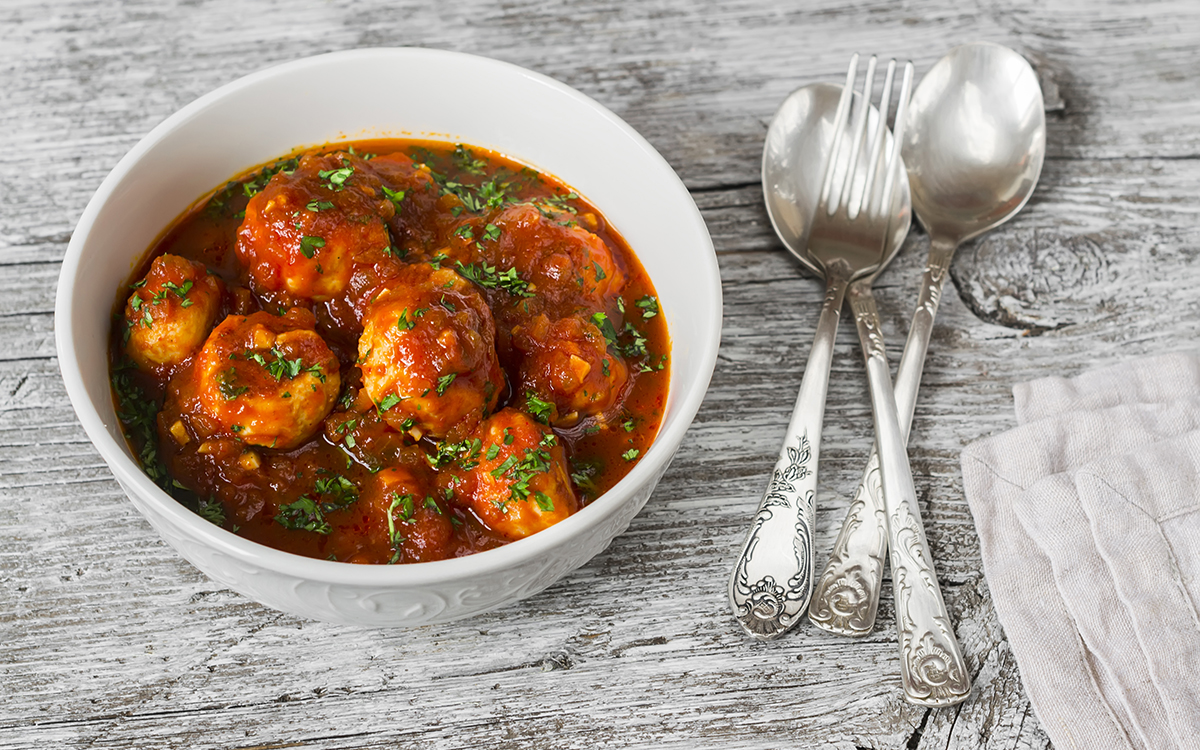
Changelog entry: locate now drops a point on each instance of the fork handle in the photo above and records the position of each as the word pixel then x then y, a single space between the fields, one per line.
pixel 932 668
pixel 846 598
pixel 771 582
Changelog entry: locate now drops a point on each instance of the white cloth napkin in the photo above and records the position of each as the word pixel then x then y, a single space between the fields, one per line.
pixel 1089 523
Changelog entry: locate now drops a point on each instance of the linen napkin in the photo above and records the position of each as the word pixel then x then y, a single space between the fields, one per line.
pixel 1088 515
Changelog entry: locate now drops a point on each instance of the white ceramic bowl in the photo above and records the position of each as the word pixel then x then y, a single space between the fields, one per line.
pixel 379 93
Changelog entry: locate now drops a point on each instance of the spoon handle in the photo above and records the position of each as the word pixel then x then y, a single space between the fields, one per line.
pixel 931 663
pixel 846 597
pixel 771 581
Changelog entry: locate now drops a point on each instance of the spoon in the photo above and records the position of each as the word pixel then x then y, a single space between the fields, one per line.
pixel 973 147
pixel 771 582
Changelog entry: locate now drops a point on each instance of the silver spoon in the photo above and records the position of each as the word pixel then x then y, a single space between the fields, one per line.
pixel 771 582
pixel 973 147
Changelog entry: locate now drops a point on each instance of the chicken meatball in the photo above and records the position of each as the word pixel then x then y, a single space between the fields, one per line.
pixel 405 515
pixel 566 363
pixel 305 231
pixel 427 354
pixel 414 194
pixel 264 379
pixel 521 483
pixel 170 313
pixel 563 263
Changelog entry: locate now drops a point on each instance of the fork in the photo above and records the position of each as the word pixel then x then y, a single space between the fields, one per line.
pixel 933 670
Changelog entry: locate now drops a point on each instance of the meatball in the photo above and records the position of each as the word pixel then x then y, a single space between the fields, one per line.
pixel 521 484
pixel 566 363
pixel 427 354
pixel 411 189
pixel 170 313
pixel 405 516
pixel 564 263
pixel 305 231
pixel 264 379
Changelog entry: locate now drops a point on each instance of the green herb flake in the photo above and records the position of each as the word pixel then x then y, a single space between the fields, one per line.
pixel 630 454
pixel 309 245
pixel 389 401
pixel 210 510
pixel 444 382
pixel 335 179
pixel 304 514
pixel 395 196
pixel 537 408
pixel 544 503
pixel 227 385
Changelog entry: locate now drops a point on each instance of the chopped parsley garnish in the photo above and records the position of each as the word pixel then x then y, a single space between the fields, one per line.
pixel 212 511
pixel 649 306
pixel 318 205
pixel 406 323
pixel 336 492
pixel 558 202
pixel 335 179
pixel 606 327
pixel 389 401
pixel 537 408
pixel 444 382
pixel 306 514
pixel 228 386
pixel 465 452
pixel 630 454
pixel 491 232
pixel 303 515
pixel 466 161
pixel 395 196
pixel 255 184
pixel 139 416
pixel 309 245
pixel 520 472
pixel 584 475
pixel 600 275
pixel 544 503
pixel 485 276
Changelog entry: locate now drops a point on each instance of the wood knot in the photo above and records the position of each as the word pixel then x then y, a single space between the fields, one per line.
pixel 1036 280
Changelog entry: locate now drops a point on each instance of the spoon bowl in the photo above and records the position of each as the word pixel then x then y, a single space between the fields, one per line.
pixel 975 141
pixel 798 143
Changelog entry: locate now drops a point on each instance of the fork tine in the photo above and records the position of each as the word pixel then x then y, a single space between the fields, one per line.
pixel 868 193
pixel 885 204
pixel 860 128
pixel 839 125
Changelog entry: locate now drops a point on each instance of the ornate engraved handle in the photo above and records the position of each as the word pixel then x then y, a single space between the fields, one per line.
pixel 931 663
pixel 772 578
pixel 846 597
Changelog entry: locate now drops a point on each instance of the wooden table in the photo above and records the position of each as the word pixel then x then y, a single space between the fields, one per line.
pixel 109 639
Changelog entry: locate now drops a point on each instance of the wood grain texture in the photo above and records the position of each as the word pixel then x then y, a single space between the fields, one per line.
pixel 110 640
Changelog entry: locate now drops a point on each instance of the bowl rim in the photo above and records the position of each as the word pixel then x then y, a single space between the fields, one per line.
pixel 508 556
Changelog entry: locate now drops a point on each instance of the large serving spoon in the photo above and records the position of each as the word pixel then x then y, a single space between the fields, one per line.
pixel 973 146
pixel 771 582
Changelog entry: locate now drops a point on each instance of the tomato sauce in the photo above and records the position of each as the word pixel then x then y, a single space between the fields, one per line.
pixel 389 351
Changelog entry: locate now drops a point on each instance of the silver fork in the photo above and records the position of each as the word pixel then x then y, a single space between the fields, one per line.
pixel 933 671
